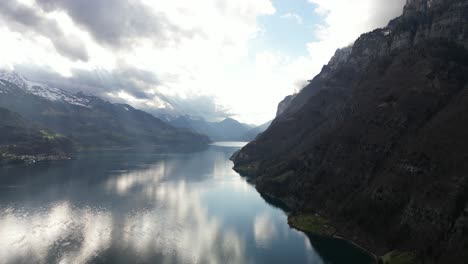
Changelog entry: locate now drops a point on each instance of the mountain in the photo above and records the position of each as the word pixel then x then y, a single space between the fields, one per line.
pixel 22 142
pixel 283 105
pixel 226 130
pixel 377 142
pixel 254 132
pixel 86 119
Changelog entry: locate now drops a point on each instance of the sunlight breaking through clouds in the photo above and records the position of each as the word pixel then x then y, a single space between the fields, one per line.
pixel 183 43
pixel 202 53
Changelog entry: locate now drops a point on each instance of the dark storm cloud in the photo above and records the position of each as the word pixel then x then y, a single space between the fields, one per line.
pixel 118 23
pixel 24 19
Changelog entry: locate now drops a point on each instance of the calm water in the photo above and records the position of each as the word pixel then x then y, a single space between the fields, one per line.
pixel 116 207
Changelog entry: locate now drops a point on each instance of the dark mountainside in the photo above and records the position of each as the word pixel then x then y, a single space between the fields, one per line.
pixel 283 105
pixel 21 142
pixel 226 130
pixel 378 142
pixel 254 132
pixel 88 120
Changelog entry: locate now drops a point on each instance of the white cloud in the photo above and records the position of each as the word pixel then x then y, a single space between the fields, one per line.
pixel 201 55
pixel 275 74
pixel 293 16
pixel 204 64
pixel 345 21
pixel 185 66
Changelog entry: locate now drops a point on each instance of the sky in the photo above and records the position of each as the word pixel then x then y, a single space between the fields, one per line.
pixel 208 58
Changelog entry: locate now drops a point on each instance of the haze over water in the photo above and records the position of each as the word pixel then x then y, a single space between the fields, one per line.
pixel 129 207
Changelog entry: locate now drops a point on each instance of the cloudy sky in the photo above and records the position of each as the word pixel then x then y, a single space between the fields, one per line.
pixel 210 58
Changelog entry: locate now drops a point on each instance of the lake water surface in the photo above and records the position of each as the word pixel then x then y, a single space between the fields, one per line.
pixel 130 207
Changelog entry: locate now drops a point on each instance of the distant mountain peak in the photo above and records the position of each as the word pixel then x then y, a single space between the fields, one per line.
pixel 230 120
pixel 13 77
pixel 228 129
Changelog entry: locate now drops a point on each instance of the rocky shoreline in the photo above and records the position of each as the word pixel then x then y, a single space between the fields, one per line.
pixel 311 222
pixel 10 159
pixel 314 223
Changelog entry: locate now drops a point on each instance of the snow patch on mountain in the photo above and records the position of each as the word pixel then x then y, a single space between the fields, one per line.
pixel 42 90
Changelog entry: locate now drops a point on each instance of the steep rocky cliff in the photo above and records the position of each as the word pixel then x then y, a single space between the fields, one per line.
pixel 378 141
pixel 284 104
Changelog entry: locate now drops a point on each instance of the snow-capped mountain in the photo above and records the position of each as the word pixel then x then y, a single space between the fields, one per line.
pixel 88 120
pixel 40 89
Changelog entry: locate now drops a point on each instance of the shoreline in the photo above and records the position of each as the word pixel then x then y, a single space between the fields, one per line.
pixel 10 159
pixel 248 173
pixel 390 257
pixel 332 232
pixel 283 205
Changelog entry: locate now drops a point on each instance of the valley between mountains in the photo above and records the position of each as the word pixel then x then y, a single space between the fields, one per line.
pixel 373 150
pixel 40 123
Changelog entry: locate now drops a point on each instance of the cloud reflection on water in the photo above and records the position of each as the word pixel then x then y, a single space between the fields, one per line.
pixel 180 226
pixel 264 230
pixel 155 213
pixel 79 233
pixel 176 226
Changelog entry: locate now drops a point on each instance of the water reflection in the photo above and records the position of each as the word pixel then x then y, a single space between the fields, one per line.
pixel 148 178
pixel 263 230
pixel 179 226
pixel 142 208
pixel 58 234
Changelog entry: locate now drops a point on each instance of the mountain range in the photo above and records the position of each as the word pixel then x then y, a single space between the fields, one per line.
pixel 87 120
pixel 377 143
pixel 226 130
pixel 254 132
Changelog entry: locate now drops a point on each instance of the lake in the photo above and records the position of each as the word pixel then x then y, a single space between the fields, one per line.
pixel 138 207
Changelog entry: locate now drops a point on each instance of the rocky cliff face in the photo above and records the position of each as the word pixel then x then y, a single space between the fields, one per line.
pixel 284 104
pixel 377 141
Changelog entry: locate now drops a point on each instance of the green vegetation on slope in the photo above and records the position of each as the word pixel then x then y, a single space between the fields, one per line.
pixel 50 136
pixel 21 142
pixel 311 223
pixel 396 257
